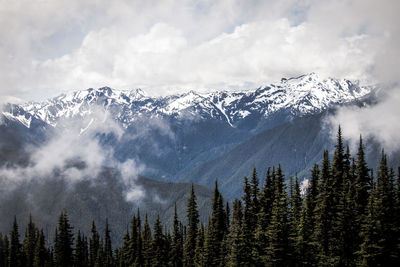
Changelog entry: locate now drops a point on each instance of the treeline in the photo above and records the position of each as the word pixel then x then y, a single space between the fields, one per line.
pixel 347 217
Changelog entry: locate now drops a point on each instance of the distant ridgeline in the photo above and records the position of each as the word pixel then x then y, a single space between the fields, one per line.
pixel 347 217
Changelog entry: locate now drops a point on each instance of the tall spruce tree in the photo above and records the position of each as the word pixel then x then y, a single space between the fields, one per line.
pixel 31 235
pixel 176 254
pixel 294 221
pixel 108 253
pixel 191 230
pixel 94 245
pixel 277 230
pixel 63 242
pixel 14 253
pixel 147 246
pixel 41 257
pixel 160 254
pixel 306 244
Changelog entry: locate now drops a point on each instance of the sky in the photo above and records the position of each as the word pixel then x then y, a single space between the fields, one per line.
pixel 48 47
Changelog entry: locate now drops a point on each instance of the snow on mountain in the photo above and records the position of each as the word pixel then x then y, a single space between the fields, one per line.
pixel 298 96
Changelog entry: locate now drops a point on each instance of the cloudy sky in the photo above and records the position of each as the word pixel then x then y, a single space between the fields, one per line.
pixel 48 47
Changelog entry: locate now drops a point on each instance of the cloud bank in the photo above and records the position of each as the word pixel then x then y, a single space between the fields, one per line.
pixel 170 46
pixel 75 153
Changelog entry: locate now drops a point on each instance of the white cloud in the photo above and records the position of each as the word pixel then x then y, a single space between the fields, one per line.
pixel 76 154
pixel 177 45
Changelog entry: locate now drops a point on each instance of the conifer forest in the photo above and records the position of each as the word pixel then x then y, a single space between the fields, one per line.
pixel 348 215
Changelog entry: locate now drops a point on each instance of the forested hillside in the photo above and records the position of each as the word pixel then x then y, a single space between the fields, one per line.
pixel 349 215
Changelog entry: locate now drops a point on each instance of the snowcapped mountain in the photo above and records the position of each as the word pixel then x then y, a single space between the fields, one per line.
pixel 307 94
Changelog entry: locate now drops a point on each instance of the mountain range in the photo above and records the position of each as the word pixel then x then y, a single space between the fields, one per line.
pixel 191 137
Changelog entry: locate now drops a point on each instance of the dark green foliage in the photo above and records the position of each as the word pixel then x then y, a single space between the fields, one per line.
pixel 216 231
pixel 176 253
pixel 80 251
pixel 345 218
pixel 191 230
pixel 94 245
pixel 159 246
pixel 14 253
pixel 108 253
pixel 63 242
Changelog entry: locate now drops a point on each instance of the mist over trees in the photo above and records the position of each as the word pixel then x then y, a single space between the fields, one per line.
pixel 349 215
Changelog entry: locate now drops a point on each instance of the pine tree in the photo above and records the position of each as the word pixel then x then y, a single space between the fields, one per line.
pixel 63 242
pixel 94 245
pixel 147 240
pixel 133 242
pixel 239 253
pixel 385 199
pixel 216 230
pixel 192 228
pixel 40 255
pixel 264 216
pixel 199 259
pixel 371 251
pixel 29 243
pixel 324 212
pixel 108 254
pixel 294 220
pixel 159 257
pixel 177 242
pixel 80 259
pixel 306 244
pixel 362 184
pixel 277 230
pixel 14 253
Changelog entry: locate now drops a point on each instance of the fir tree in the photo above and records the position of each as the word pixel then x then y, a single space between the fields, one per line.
pixel 199 259
pixel 80 259
pixel 277 230
pixel 294 220
pixel 159 257
pixel 40 255
pixel 216 230
pixel 29 243
pixel 147 240
pixel 14 253
pixel 63 242
pixel 306 245
pixel 177 242
pixel 191 232
pixel 94 245
pixel 108 254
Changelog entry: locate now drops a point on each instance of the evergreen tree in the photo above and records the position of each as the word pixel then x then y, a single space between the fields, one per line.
pixel 385 199
pixel 147 240
pixel 247 230
pixel 29 243
pixel 216 230
pixel 40 258
pixel 80 259
pixel 324 212
pixel 362 184
pixel 294 220
pixel 63 242
pixel 306 245
pixel 160 253
pixel 14 253
pixel 277 230
pixel 264 216
pixel 94 245
pixel 177 242
pixel 191 232
pixel 108 254
pixel 371 251
pixel 200 260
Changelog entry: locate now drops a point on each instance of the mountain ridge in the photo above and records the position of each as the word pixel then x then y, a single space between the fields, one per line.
pixel 306 94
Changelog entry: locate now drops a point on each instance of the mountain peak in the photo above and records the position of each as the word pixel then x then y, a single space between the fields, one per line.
pixel 298 96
